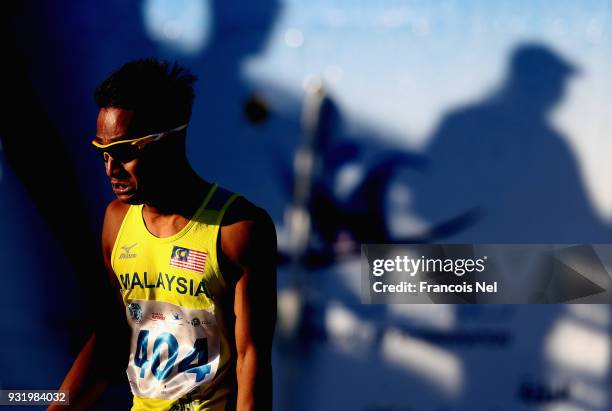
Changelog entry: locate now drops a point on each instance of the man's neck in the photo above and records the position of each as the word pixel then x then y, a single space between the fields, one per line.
pixel 180 194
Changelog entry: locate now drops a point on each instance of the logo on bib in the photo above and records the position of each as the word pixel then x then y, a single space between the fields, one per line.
pixel 158 316
pixel 135 311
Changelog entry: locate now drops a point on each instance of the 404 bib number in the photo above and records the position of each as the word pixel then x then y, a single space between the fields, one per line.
pixel 174 349
pixel 167 341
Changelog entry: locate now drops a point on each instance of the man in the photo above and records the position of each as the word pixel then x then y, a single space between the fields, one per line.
pixel 194 264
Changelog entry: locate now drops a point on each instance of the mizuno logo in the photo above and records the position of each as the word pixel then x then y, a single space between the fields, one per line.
pixel 126 253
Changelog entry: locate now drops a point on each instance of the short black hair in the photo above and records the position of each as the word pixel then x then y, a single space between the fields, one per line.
pixel 156 90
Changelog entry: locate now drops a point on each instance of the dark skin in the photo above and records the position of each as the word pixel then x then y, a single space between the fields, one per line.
pixel 247 258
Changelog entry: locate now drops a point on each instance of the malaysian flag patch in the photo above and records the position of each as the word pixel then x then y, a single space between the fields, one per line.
pixel 187 259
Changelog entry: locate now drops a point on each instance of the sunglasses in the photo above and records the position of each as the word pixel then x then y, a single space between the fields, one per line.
pixel 127 150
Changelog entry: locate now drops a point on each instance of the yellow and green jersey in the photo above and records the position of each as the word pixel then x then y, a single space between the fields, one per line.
pixel 172 287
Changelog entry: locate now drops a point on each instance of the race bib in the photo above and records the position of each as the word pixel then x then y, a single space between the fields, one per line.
pixel 173 349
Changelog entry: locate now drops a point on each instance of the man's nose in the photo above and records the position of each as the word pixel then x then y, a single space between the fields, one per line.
pixel 112 166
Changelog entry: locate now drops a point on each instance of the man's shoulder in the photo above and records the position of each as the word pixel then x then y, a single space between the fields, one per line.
pixel 115 210
pixel 242 210
pixel 245 226
pixel 113 217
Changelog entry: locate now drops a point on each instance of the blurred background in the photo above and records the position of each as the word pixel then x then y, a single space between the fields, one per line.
pixel 350 122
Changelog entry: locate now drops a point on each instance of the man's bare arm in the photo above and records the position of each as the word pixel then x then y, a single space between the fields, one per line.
pixel 102 357
pixel 250 247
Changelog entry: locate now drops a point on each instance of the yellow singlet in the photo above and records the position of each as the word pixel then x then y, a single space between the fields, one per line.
pixel 172 287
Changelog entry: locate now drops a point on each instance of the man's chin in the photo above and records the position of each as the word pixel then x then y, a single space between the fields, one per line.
pixel 131 198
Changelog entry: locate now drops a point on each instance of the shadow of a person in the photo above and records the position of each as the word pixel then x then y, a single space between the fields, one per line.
pixel 225 144
pixel 503 156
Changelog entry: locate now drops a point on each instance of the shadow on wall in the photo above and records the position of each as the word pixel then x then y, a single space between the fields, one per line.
pixel 40 163
pixel 47 184
pixel 503 156
pixel 235 138
pixel 495 171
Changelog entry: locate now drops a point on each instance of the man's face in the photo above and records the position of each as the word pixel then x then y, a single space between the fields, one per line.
pixel 116 124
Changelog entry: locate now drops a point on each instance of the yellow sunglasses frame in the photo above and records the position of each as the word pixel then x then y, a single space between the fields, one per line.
pixel 134 141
